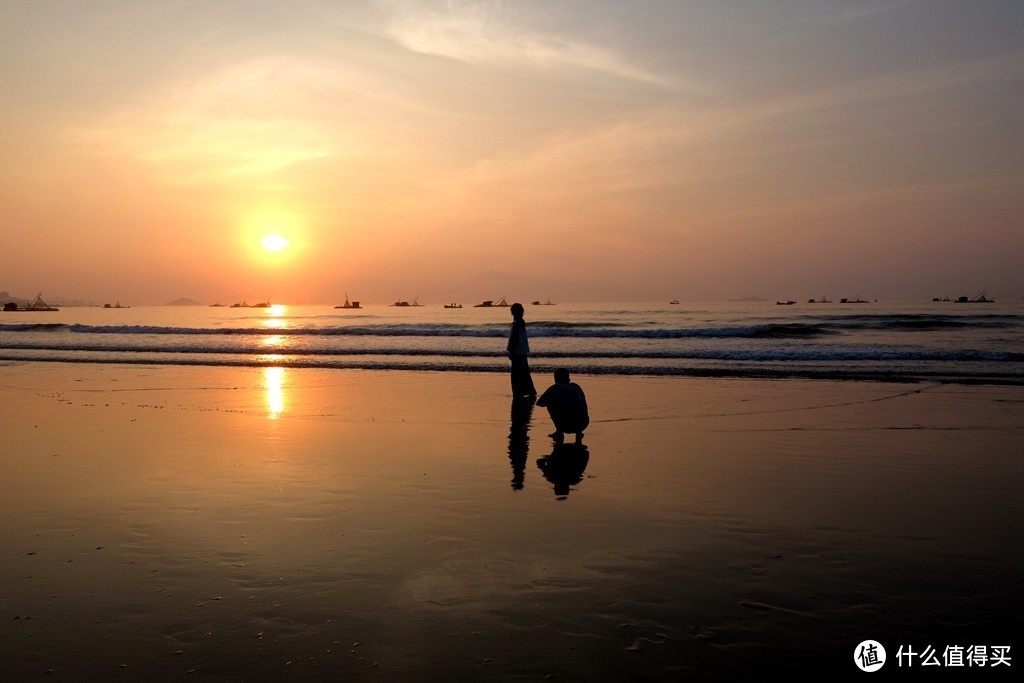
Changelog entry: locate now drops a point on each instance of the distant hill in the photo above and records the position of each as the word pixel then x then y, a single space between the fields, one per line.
pixel 5 297
pixel 184 301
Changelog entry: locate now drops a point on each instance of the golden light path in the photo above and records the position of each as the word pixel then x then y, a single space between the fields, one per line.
pixel 273 384
pixel 273 376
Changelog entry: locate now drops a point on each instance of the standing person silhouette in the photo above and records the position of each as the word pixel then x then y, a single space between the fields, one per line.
pixel 518 351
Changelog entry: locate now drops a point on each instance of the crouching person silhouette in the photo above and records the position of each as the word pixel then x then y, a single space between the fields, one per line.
pixel 567 406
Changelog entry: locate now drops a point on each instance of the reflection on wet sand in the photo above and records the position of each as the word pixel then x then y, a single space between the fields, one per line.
pixel 205 537
pixel 273 386
pixel 564 467
pixel 519 440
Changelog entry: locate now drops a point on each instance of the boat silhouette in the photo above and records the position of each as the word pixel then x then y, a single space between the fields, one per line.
pixel 500 303
pixel 980 299
pixel 35 306
pixel 349 304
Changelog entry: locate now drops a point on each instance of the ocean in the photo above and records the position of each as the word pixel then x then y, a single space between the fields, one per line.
pixel 901 341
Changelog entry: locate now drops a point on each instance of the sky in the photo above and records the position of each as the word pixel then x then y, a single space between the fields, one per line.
pixel 458 150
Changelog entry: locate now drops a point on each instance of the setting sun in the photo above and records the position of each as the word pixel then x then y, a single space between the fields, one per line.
pixel 274 242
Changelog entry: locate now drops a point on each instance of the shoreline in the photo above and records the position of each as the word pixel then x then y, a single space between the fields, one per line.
pixel 543 366
pixel 245 524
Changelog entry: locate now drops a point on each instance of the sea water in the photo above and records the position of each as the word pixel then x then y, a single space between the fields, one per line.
pixel 901 341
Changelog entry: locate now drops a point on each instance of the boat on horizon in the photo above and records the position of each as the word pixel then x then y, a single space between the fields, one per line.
pixel 546 302
pixel 822 300
pixel 854 300
pixel 787 302
pixel 453 305
pixel 490 303
pixel 349 304
pixel 117 305
pixel 262 304
pixel 980 299
pixel 37 305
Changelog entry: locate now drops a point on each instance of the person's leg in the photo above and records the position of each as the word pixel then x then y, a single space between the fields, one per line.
pixel 526 379
pixel 515 375
pixel 522 382
pixel 583 424
pixel 559 434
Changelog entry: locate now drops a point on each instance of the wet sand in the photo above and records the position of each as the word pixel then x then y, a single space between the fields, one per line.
pixel 241 524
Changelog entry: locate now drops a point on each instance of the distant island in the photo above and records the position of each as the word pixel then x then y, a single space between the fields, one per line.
pixel 183 301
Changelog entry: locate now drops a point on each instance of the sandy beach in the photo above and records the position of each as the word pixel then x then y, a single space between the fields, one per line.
pixel 250 524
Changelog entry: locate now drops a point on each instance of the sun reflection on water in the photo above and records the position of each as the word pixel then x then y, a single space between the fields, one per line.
pixel 275 341
pixel 273 385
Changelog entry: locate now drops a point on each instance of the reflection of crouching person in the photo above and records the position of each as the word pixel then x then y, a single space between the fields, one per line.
pixel 567 406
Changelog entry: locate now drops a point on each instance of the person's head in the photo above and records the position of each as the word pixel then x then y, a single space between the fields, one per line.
pixel 517 310
pixel 562 376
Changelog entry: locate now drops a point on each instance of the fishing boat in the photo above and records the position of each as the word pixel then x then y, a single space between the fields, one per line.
pixel 500 303
pixel 349 304
pixel 674 302
pixel 980 299
pixel 854 300
pixel 822 300
pixel 404 304
pixel 548 302
pixel 262 304
pixel 117 305
pixel 453 305
pixel 34 306
pixel 787 302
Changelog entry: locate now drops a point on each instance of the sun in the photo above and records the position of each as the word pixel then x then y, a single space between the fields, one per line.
pixel 274 242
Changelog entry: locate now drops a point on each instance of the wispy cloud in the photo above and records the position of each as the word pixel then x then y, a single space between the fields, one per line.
pixel 237 123
pixel 676 163
pixel 491 33
pixel 902 84
pixel 858 12
pixel 657 131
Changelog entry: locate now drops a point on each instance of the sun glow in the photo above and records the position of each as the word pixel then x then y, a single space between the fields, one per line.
pixel 274 242
pixel 272 237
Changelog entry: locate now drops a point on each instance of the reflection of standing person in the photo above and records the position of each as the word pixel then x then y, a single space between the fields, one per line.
pixel 519 441
pixel 567 405
pixel 518 351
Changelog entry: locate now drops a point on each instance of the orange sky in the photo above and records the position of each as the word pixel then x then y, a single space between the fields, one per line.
pixel 457 150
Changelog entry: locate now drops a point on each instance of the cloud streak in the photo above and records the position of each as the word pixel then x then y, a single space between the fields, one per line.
pixel 488 33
